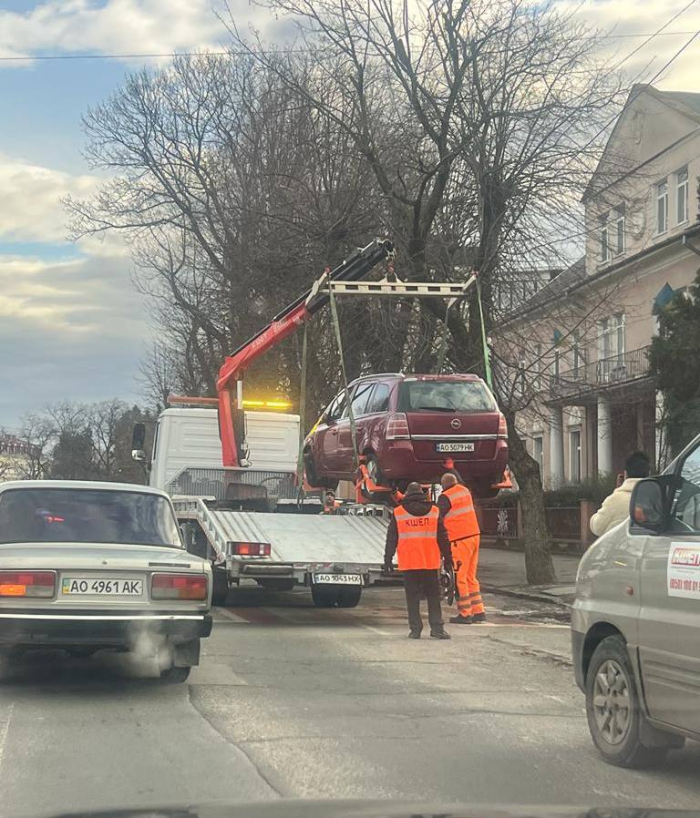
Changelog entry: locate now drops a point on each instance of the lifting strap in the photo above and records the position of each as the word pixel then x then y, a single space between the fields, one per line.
pixel 339 344
pixel 484 343
pixel 302 415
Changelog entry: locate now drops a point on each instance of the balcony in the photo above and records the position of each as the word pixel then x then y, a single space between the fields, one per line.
pixel 603 374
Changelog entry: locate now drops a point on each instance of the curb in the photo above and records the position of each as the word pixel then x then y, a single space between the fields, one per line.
pixel 535 597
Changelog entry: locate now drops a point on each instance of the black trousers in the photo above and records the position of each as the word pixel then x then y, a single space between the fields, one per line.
pixel 417 583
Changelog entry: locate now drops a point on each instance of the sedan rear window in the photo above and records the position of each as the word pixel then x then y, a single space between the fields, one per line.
pixel 86 515
pixel 445 396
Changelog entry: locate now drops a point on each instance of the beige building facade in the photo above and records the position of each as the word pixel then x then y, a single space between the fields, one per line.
pixel 585 336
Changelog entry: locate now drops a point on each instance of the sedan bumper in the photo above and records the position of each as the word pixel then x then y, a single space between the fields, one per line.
pixel 108 629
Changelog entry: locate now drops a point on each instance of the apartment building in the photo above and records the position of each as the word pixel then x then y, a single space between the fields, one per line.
pixel 589 328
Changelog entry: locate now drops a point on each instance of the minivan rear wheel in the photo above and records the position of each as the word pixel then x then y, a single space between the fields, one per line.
pixel 613 709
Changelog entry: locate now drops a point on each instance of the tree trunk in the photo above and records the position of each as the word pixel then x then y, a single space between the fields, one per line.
pixel 539 568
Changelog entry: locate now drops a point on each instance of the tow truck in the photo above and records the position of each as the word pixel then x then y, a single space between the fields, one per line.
pixel 231 515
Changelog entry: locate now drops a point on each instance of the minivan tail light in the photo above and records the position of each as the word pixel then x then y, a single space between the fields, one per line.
pixel 252 549
pixel 27 583
pixel 502 426
pixel 397 427
pixel 179 586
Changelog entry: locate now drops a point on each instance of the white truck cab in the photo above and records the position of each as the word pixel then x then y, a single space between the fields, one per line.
pixel 188 438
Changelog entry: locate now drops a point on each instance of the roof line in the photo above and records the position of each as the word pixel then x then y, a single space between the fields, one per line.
pixel 642 254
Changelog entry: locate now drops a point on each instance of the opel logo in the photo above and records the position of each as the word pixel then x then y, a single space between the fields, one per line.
pixel 455 423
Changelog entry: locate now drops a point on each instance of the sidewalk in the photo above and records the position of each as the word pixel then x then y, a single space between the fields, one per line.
pixel 503 572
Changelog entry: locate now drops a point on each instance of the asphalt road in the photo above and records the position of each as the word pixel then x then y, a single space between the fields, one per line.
pixel 292 701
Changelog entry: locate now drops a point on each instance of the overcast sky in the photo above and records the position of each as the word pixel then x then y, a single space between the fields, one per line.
pixel 71 323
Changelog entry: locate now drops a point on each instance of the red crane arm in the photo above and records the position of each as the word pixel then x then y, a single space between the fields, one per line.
pixel 236 364
pixel 282 325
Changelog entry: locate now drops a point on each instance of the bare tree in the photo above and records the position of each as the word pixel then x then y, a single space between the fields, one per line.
pixel 481 122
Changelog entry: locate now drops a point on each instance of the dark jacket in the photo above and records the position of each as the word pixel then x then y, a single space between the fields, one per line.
pixel 418 507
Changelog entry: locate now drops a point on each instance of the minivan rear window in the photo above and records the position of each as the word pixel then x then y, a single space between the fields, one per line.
pixel 445 396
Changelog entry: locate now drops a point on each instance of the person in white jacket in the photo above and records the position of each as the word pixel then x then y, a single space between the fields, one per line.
pixel 616 507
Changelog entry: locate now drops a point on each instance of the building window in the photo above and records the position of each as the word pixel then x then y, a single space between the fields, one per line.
pixel 575 456
pixel 537 380
pixel 662 207
pixel 604 238
pixel 538 451
pixel 578 360
pixel 557 362
pixel 619 230
pixel 682 196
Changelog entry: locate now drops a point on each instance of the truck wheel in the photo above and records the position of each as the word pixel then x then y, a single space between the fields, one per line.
pixel 174 675
pixel 219 586
pixel 350 597
pixel 615 718
pixel 277 584
pixel 325 596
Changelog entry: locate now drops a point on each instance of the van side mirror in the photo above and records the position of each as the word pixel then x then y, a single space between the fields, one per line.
pixel 647 505
pixel 138 442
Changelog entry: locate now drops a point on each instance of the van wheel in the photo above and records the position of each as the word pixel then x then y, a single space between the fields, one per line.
pixel 615 718
pixel 350 597
pixel 219 586
pixel 375 474
pixel 325 596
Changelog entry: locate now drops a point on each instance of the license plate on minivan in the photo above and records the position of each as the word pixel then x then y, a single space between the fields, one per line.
pixel 454 447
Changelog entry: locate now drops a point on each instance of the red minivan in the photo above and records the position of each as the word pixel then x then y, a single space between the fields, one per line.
pixel 407 425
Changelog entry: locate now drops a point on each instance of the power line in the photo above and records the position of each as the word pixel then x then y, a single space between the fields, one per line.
pixel 657 33
pixel 243 53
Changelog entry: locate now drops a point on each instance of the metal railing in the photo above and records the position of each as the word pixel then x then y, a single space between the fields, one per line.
pixel 617 369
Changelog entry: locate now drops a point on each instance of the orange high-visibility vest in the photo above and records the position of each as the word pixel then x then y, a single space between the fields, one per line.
pixel 418 547
pixel 460 520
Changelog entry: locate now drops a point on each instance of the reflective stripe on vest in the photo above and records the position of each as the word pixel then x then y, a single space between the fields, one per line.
pixel 460 520
pixel 418 546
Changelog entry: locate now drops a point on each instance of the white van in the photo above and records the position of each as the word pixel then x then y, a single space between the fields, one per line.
pixel 188 438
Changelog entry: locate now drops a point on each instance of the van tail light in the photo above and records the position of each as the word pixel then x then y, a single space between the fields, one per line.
pixel 27 583
pixel 179 586
pixel 252 549
pixel 502 427
pixel 397 427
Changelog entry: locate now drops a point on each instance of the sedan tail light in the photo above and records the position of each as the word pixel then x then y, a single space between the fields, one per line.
pixel 397 427
pixel 27 583
pixel 502 426
pixel 178 586
pixel 252 549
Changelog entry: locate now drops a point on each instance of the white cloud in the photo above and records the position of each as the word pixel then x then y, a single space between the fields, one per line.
pixel 118 26
pixel 69 329
pixel 30 200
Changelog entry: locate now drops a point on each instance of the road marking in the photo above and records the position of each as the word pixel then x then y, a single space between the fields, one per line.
pixel 4 730
pixel 232 616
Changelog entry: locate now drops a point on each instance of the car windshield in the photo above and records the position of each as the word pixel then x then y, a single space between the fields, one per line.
pixel 445 396
pixel 86 515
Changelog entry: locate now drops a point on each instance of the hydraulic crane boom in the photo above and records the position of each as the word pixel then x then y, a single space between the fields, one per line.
pixel 282 325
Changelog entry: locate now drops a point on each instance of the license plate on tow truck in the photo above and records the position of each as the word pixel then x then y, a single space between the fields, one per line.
pixel 79 586
pixel 454 447
pixel 337 579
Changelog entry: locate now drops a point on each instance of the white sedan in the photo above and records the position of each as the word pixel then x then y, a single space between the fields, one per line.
pixel 86 566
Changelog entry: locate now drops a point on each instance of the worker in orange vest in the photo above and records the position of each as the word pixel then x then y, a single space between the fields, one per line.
pixel 417 534
pixel 457 511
